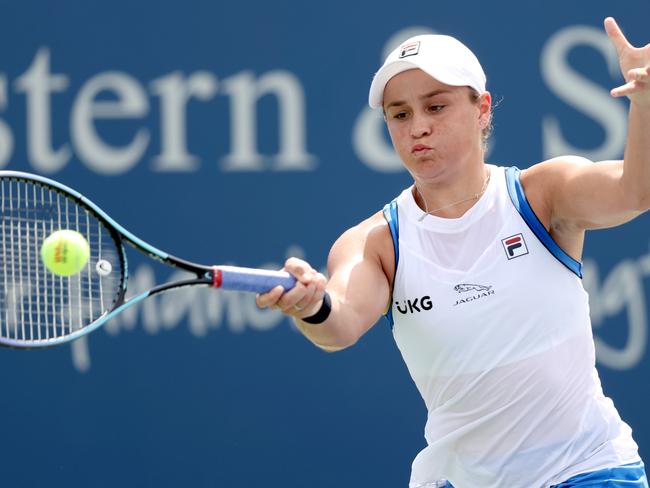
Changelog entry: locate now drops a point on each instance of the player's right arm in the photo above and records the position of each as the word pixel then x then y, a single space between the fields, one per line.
pixel 361 268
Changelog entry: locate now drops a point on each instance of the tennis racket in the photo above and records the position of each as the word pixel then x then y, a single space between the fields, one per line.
pixel 41 309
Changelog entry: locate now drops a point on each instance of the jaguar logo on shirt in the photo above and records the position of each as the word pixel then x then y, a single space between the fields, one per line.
pixel 463 287
pixel 478 292
pixel 414 305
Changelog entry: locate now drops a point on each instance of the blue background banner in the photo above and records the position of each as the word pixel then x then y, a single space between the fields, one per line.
pixel 239 133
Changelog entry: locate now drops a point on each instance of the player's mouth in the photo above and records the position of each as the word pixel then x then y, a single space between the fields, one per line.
pixel 420 149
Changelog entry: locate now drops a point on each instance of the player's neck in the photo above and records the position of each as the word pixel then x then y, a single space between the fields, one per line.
pixel 452 199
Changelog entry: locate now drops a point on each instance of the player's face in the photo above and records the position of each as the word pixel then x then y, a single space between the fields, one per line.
pixel 435 128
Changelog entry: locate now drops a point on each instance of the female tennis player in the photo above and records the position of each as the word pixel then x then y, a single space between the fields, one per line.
pixel 477 268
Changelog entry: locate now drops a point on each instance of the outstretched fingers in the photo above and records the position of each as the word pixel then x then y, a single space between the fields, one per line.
pixel 638 79
pixel 616 35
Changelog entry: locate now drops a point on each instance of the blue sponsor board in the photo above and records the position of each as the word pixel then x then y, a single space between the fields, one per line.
pixel 239 133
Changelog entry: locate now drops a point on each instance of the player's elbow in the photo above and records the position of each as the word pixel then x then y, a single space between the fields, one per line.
pixel 338 346
pixel 338 339
pixel 325 348
pixel 642 203
pixel 635 194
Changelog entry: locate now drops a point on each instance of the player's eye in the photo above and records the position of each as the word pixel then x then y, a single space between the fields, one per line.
pixel 436 108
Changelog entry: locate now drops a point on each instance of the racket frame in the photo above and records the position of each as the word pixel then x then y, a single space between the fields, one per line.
pixel 205 275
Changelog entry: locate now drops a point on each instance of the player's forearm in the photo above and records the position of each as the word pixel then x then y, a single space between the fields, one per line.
pixel 636 166
pixel 343 327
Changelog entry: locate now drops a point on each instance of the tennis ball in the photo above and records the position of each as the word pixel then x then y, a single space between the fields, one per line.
pixel 65 252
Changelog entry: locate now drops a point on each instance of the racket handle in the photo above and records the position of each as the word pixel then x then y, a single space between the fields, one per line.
pixel 250 279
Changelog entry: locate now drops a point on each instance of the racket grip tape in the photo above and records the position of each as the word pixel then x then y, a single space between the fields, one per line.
pixel 250 279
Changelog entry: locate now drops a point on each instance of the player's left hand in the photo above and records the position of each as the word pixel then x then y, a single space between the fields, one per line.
pixel 635 66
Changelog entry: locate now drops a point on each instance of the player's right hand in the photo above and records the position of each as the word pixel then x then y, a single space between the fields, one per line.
pixel 304 299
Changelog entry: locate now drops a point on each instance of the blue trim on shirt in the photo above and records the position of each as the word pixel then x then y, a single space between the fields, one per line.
pixel 520 202
pixel 625 476
pixel 390 214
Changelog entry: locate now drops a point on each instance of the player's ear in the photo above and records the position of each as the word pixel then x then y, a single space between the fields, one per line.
pixel 485 109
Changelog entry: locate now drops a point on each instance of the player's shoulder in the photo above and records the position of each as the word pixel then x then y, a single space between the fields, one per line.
pixel 544 181
pixel 550 171
pixel 371 233
pixel 369 240
pixel 548 177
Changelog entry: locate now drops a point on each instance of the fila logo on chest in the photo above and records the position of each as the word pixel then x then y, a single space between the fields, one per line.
pixel 515 246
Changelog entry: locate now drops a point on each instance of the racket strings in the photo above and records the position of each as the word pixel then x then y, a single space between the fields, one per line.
pixel 35 304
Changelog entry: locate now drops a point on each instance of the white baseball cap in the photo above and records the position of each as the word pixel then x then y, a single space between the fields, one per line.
pixel 443 57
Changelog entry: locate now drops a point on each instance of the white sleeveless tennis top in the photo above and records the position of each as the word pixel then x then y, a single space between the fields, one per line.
pixel 493 324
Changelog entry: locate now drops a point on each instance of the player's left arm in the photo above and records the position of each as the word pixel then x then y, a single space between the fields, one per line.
pixel 586 195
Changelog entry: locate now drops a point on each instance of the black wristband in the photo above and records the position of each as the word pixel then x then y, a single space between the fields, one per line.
pixel 323 312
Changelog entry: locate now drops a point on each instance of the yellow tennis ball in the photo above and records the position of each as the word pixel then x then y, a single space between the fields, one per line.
pixel 65 252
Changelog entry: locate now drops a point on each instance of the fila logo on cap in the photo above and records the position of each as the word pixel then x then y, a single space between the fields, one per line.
pixel 410 49
pixel 514 246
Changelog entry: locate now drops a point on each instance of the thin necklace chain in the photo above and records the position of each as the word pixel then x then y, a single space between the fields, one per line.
pixel 476 196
